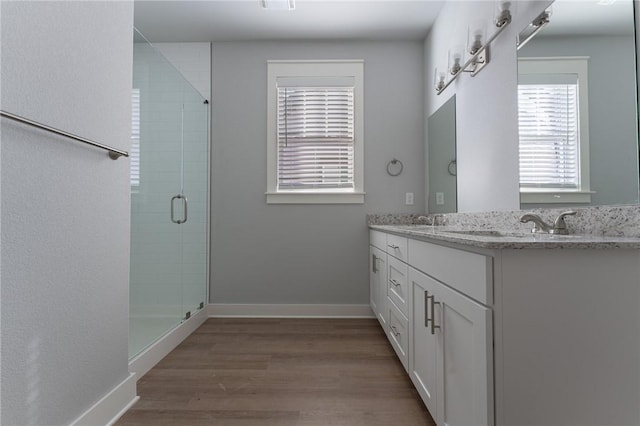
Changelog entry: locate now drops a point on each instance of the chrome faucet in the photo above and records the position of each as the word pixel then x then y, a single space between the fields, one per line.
pixel 540 227
pixel 559 226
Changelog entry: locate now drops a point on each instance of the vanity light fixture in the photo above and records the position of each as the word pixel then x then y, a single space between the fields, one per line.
pixel 438 80
pixel 278 4
pixel 477 47
pixel 539 23
pixel 456 57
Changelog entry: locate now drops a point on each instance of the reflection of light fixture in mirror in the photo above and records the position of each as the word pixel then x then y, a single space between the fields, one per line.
pixel 278 4
pixel 438 79
pixel 456 56
pixel 539 23
pixel 478 51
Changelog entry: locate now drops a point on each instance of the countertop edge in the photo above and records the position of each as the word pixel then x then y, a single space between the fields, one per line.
pixel 511 243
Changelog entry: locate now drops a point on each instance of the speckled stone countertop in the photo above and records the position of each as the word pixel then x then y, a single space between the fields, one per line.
pixel 616 227
pixel 510 240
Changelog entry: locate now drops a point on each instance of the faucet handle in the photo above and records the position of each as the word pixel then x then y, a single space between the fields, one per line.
pixel 559 225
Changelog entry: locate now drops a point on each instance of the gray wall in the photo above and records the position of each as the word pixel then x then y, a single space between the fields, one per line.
pixel 613 140
pixel 65 208
pixel 306 253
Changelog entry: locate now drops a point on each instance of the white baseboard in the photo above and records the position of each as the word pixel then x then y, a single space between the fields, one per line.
pixel 145 361
pixel 111 406
pixel 289 310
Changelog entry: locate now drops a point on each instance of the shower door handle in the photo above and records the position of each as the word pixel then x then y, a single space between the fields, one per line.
pixel 184 206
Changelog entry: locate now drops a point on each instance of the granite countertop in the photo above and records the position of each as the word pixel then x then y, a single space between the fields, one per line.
pixel 508 239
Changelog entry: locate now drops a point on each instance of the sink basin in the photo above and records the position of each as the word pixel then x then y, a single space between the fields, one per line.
pixel 489 233
pixel 507 234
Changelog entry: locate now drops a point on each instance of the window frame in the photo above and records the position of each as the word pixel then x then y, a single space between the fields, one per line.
pixel 577 65
pixel 310 69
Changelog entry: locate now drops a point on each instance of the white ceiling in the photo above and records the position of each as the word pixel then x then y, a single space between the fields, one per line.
pixel 588 17
pixel 225 20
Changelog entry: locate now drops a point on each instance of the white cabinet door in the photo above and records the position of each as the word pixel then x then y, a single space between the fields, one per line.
pixel 422 344
pixel 378 284
pixel 465 359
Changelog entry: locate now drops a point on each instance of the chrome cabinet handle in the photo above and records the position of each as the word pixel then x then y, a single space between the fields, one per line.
pixel 394 331
pixel 433 313
pixel 394 282
pixel 374 267
pixel 393 246
pixel 185 206
pixel 426 311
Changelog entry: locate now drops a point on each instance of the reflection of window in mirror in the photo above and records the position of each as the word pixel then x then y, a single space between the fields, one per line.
pixel 553 116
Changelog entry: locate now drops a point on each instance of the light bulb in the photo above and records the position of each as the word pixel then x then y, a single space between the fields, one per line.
pixel 456 58
pixel 475 37
pixel 438 79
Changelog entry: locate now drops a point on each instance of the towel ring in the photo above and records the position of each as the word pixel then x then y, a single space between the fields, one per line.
pixel 393 163
pixel 452 168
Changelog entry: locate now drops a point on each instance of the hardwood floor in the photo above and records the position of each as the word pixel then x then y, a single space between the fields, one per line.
pixel 264 372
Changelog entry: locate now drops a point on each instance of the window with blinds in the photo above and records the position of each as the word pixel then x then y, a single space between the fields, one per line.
pixel 549 136
pixel 553 117
pixel 315 138
pixel 134 153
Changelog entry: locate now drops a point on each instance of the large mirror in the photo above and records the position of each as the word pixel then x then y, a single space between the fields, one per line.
pixel 442 183
pixel 577 106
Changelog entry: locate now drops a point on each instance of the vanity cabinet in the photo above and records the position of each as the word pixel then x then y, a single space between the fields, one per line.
pixel 378 283
pixel 389 288
pixel 451 359
pixel 528 336
pixel 441 336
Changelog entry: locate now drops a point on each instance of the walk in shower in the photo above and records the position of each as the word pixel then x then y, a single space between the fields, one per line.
pixel 169 198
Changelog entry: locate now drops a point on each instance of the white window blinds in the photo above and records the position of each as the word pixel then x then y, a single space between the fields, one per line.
pixel 549 136
pixel 315 128
pixel 134 154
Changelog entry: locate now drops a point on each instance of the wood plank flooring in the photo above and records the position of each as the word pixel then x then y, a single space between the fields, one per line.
pixel 264 372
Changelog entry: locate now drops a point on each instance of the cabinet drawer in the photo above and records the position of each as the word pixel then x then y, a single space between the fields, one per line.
pixel 378 239
pixel 398 284
pixel 469 273
pixel 398 333
pixel 397 247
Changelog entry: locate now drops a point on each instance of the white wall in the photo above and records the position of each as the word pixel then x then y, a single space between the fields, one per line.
pixel 65 208
pixel 314 254
pixel 487 133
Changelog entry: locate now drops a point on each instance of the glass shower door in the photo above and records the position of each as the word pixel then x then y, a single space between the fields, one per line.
pixel 169 174
pixel 195 188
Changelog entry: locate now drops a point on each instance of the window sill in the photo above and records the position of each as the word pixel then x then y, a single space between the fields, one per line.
pixel 315 198
pixel 555 197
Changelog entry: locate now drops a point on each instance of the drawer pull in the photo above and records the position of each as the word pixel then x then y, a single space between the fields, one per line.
pixel 374 267
pixel 433 313
pixel 394 331
pixel 393 246
pixel 394 282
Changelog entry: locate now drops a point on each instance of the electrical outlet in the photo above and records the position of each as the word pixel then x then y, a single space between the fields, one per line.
pixel 408 198
pixel 439 198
